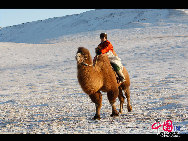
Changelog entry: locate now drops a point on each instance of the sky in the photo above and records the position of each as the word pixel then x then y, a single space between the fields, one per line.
pixel 9 17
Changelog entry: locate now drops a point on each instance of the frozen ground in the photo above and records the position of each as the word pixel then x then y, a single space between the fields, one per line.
pixel 39 91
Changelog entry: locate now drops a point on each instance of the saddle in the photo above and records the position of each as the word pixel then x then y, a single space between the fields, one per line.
pixel 114 68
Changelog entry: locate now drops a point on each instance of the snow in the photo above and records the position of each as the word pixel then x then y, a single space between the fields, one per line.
pixel 40 31
pixel 39 91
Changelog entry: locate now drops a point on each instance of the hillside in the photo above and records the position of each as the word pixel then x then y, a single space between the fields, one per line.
pixel 107 19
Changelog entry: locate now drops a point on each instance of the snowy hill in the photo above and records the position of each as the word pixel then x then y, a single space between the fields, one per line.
pixel 53 28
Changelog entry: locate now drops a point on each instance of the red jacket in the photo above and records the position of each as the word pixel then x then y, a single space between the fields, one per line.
pixel 106 46
pixel 103 48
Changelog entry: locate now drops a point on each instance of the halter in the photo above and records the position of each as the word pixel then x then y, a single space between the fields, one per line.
pixel 85 64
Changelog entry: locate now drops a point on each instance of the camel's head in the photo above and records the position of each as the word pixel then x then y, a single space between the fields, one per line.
pixel 83 56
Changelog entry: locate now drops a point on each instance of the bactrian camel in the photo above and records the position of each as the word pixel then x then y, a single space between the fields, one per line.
pixel 101 77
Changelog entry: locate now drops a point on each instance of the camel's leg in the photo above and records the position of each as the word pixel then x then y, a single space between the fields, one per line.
pixel 127 93
pixel 121 99
pixel 112 95
pixel 97 99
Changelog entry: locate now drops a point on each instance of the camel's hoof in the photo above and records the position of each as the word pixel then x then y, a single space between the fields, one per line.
pixel 120 112
pixel 114 114
pixel 129 108
pixel 97 117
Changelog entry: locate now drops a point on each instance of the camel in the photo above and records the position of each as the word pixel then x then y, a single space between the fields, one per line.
pixel 101 77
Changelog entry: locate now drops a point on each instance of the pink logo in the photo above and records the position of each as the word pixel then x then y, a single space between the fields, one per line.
pixel 167 126
pixel 157 127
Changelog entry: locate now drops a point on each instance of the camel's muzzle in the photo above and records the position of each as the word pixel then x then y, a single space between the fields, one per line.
pixel 77 57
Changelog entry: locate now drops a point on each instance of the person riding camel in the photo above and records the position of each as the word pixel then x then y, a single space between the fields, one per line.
pixel 105 47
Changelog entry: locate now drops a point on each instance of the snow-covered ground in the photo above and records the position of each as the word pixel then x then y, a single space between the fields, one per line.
pixel 39 91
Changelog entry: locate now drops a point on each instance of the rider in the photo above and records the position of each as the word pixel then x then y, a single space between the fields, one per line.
pixel 106 47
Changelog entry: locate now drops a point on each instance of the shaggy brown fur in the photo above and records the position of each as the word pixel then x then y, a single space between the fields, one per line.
pixel 101 77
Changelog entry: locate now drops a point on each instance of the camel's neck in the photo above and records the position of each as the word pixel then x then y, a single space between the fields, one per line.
pixel 84 68
pixel 85 71
pixel 89 78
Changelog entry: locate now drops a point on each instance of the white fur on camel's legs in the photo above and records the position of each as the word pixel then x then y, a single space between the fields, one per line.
pixel 114 111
